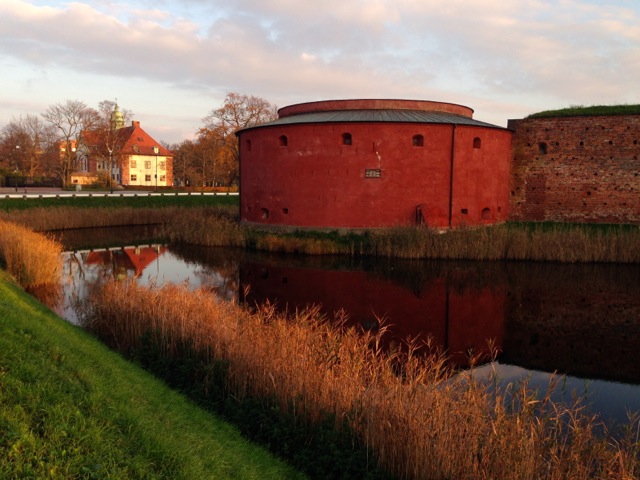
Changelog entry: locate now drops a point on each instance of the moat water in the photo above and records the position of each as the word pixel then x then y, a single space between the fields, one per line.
pixel 581 321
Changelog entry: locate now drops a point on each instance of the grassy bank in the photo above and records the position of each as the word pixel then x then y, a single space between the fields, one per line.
pixel 71 408
pixel 538 242
pixel 589 111
pixel 419 419
pixel 129 201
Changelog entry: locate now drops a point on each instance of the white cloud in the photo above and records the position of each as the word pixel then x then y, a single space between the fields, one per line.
pixel 503 59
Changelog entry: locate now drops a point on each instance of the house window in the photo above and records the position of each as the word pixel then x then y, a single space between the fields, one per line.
pixel 147 178
pixel 147 164
pixel 418 141
pixel 346 139
pixel 162 165
pixel 373 173
pixel 542 148
pixel 283 141
pixel 133 164
pixel 477 143
pixel 163 178
pixel 134 178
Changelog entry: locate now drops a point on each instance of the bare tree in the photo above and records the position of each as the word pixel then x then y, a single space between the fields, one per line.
pixel 218 134
pixel 31 137
pixel 241 111
pixel 70 120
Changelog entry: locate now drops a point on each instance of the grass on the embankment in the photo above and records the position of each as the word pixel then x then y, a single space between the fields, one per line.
pixel 589 111
pixel 71 408
pixel 98 200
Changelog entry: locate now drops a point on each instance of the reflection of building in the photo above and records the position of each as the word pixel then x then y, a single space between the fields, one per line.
pixel 374 163
pixel 462 321
pixel 128 155
pixel 126 260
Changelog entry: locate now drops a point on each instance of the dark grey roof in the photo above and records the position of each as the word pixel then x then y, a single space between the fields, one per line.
pixel 364 116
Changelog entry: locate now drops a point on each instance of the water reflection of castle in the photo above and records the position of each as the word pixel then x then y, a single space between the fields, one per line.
pixel 461 320
pixel 128 261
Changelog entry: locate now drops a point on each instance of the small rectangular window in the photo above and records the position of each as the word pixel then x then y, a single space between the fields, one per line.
pixel 162 165
pixel 134 178
pixel 372 173
pixel 133 164
pixel 147 164
pixel 163 178
pixel 147 178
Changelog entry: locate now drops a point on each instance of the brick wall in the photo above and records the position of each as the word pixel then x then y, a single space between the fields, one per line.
pixel 576 169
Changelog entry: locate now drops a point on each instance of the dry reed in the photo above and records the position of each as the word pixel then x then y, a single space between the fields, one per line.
pixel 60 218
pixel 541 243
pixel 419 419
pixel 218 226
pixel 557 243
pixel 31 258
pixel 211 227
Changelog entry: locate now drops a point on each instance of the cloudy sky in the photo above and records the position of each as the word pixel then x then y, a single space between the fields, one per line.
pixel 172 61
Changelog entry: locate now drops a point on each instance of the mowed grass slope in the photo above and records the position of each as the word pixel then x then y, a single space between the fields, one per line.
pixel 72 408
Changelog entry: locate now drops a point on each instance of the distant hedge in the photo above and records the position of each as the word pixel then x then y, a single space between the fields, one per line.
pixel 591 111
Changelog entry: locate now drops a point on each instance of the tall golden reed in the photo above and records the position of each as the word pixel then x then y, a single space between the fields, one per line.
pixel 60 218
pixel 31 258
pixel 218 226
pixel 419 419
pixel 557 243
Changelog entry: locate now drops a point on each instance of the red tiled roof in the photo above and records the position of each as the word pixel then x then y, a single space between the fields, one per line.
pixel 135 141
pixel 139 142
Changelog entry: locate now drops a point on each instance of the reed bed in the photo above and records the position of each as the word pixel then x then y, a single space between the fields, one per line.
pixel 419 419
pixel 61 218
pixel 557 243
pixel 211 227
pixel 536 242
pixel 218 226
pixel 31 258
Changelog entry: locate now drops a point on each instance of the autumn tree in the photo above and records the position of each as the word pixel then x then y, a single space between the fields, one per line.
pixel 70 120
pixel 218 144
pixel 186 161
pixel 27 139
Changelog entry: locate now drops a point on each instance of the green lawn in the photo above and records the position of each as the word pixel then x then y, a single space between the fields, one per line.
pixel 72 408
pixel 129 201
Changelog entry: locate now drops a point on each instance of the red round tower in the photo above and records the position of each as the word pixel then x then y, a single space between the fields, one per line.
pixel 374 163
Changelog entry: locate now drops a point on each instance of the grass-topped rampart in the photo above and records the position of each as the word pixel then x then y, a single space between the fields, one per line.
pixel 588 111
pixel 71 408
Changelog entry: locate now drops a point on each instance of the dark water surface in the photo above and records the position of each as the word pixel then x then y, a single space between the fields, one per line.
pixel 582 321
